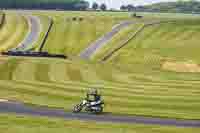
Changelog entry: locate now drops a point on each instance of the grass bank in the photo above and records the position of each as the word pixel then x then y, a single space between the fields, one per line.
pixel 23 124
pixel 176 41
pixel 74 31
pixel 13 31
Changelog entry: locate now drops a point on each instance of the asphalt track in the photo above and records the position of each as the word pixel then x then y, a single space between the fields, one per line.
pixel 33 34
pixel 22 109
pixel 89 51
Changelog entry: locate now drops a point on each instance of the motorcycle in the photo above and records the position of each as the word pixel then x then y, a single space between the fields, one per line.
pixel 93 107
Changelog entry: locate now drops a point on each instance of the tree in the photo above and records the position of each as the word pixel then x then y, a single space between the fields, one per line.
pixel 103 7
pixel 95 6
pixel 39 4
pixel 123 7
pixel 82 5
pixel 130 8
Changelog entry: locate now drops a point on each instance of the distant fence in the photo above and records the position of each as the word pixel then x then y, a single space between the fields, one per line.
pixel 122 44
pixel 33 54
pixel 46 34
pixel 3 16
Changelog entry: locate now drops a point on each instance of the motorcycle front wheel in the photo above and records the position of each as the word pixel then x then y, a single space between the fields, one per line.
pixel 77 108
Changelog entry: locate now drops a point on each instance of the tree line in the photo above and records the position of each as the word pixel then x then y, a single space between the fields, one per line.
pixel 96 6
pixel 192 6
pixel 44 4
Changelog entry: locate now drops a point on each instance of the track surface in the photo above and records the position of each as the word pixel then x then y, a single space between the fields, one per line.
pixel 33 34
pixel 21 109
pixel 88 52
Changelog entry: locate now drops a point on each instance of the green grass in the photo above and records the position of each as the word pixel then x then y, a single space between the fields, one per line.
pixel 131 82
pixel 124 34
pixel 61 84
pixel 117 40
pixel 45 23
pixel 174 40
pixel 13 31
pixel 71 37
pixel 169 15
pixel 23 124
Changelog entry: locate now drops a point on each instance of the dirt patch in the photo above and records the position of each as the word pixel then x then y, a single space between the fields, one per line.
pixel 181 66
pixel 3 59
pixel 3 100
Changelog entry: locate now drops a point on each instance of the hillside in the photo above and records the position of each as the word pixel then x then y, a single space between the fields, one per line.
pixel 180 44
pixel 12 31
pixel 61 83
pixel 176 7
pixel 155 75
pixel 70 37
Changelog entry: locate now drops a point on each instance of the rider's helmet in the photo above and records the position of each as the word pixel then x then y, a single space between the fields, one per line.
pixel 93 95
pixel 93 91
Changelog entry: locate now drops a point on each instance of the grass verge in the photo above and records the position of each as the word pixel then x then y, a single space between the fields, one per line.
pixel 23 124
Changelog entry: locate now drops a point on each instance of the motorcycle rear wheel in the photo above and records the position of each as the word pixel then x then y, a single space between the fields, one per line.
pixel 99 111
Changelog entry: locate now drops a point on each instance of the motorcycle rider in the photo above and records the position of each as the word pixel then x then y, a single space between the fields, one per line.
pixel 92 103
pixel 93 97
